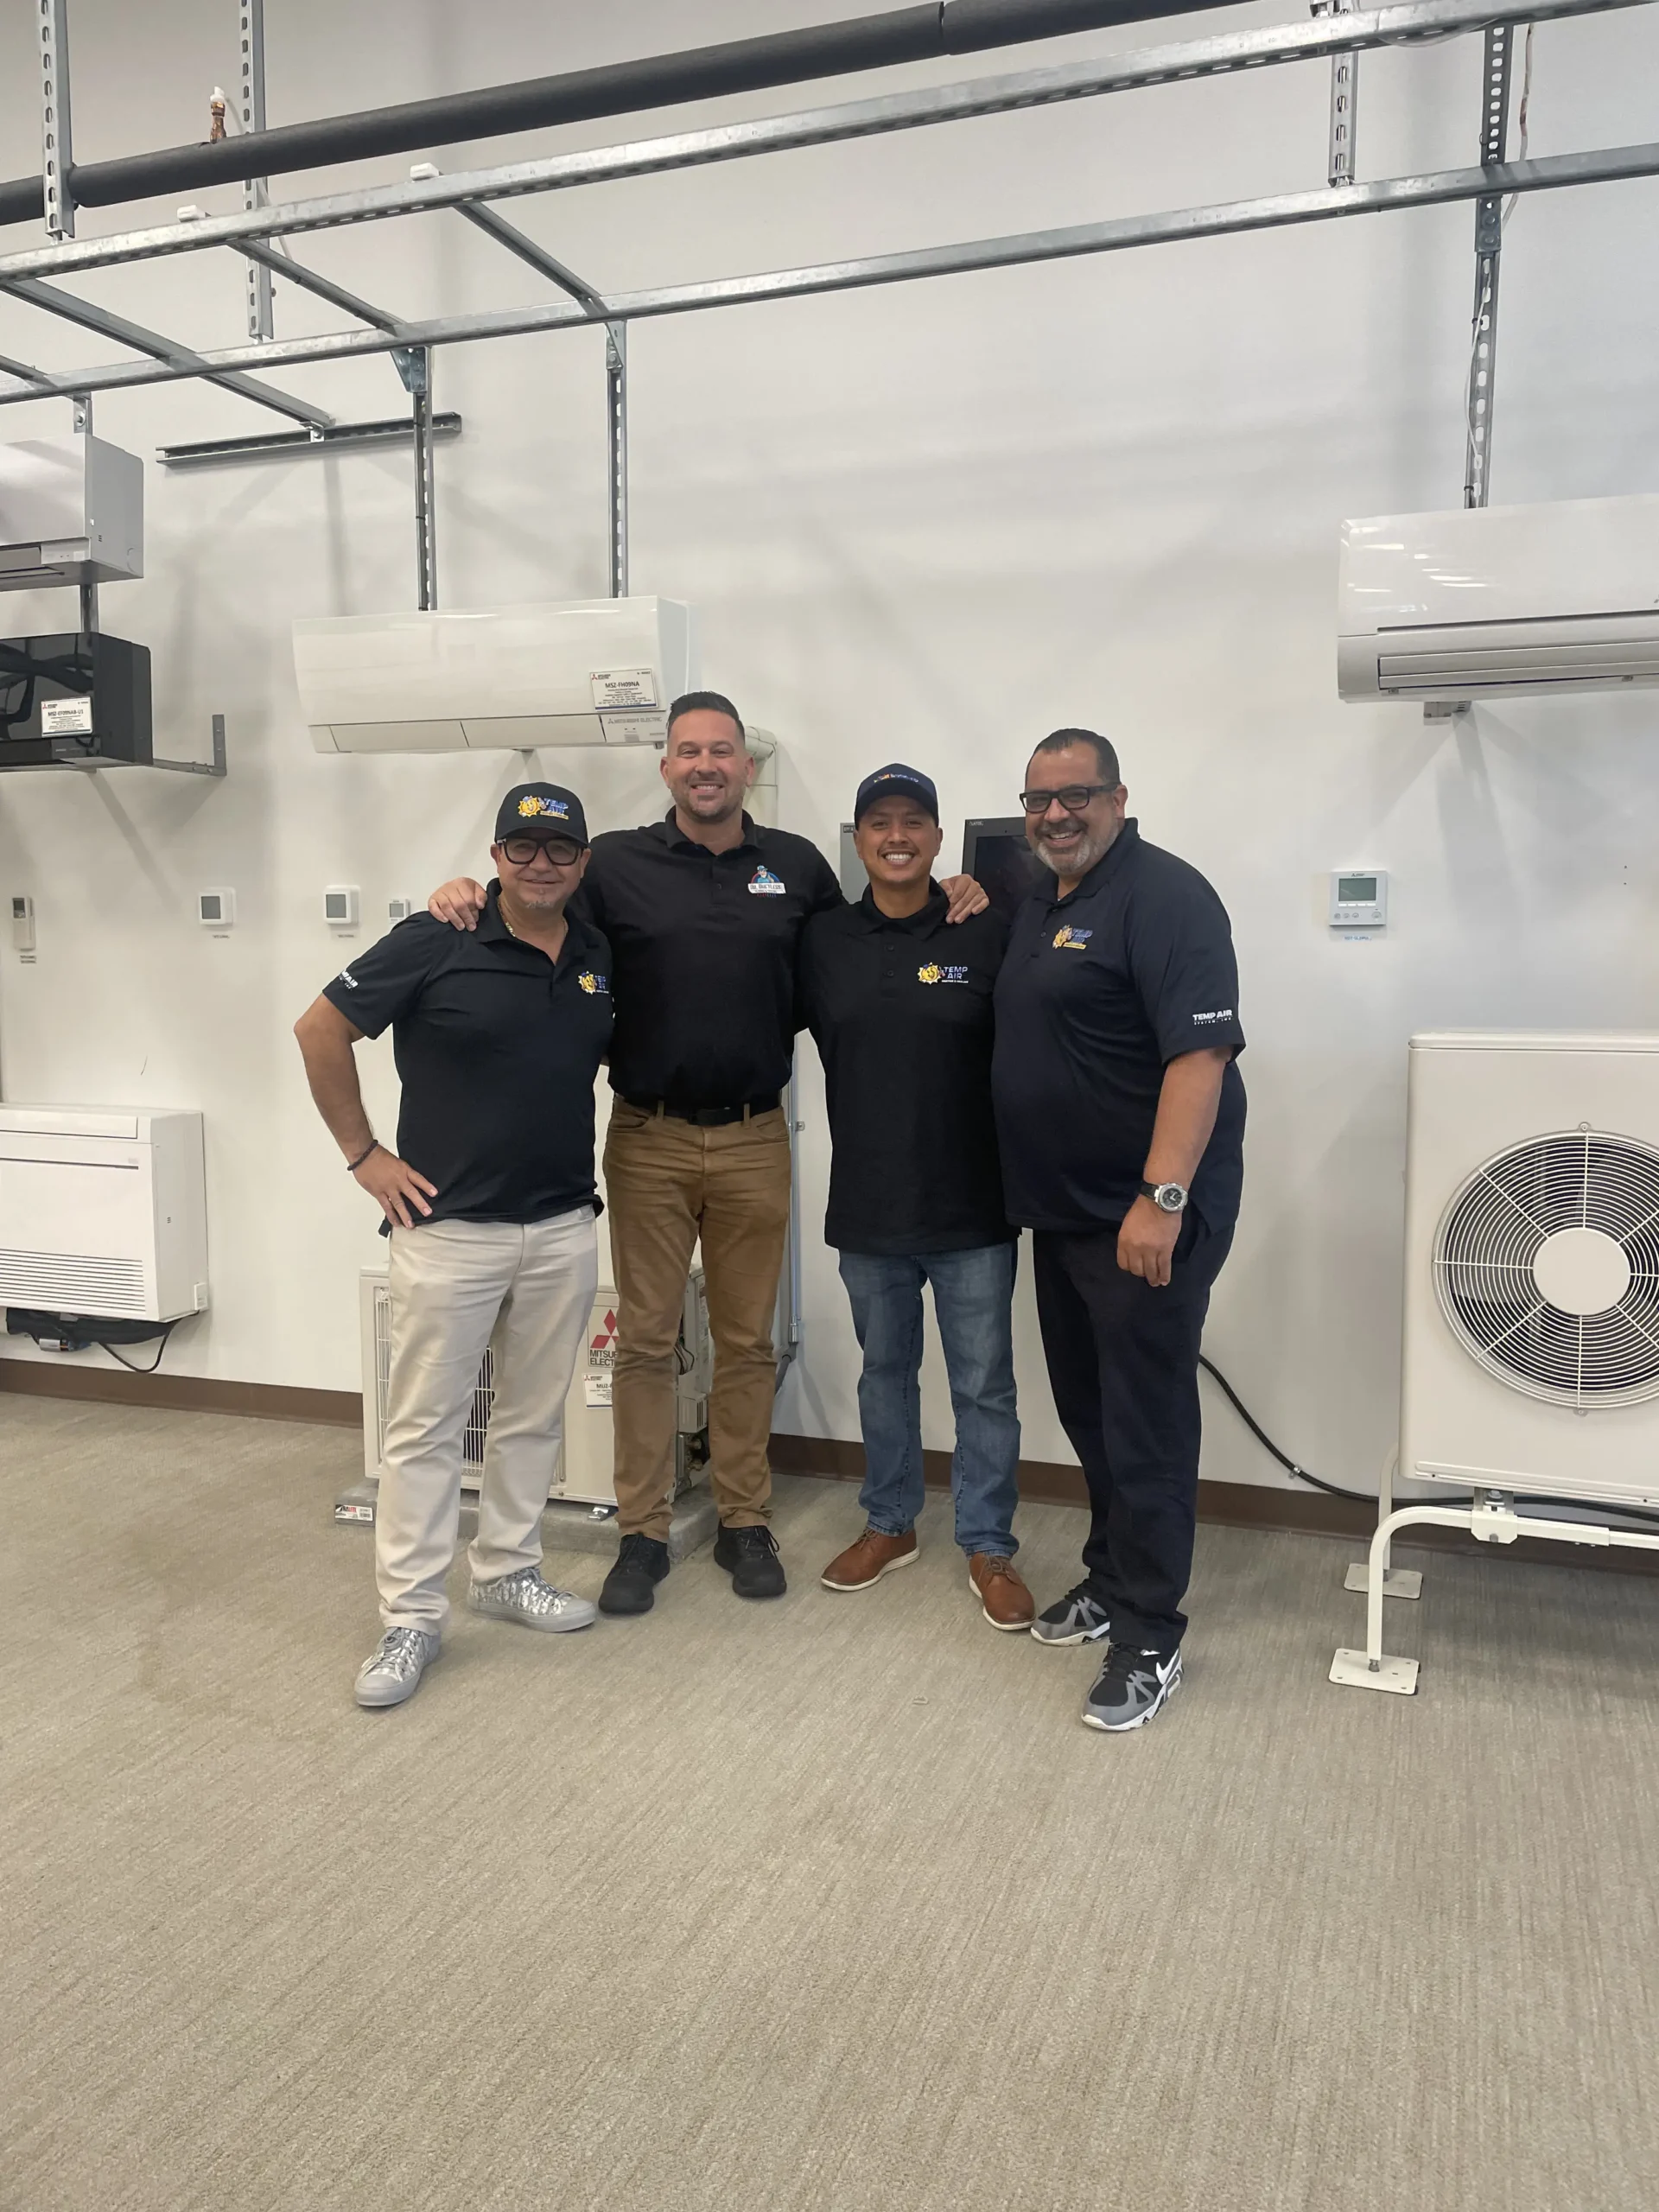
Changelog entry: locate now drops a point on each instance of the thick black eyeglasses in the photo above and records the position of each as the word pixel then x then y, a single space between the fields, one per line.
pixel 1074 798
pixel 521 851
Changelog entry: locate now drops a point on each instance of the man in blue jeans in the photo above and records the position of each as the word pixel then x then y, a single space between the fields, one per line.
pixel 900 1006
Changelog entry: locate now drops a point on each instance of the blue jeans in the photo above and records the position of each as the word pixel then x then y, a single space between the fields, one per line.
pixel 973 1298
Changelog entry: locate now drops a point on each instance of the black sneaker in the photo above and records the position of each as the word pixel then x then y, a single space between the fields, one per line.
pixel 750 1557
pixel 1133 1686
pixel 631 1585
pixel 1079 1617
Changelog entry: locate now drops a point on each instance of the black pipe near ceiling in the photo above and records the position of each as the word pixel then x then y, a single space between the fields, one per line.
pixel 914 33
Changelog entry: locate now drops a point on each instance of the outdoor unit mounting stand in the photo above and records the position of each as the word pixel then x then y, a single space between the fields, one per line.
pixel 1531 1347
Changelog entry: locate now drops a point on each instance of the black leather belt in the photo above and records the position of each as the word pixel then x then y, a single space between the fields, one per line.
pixel 707 1117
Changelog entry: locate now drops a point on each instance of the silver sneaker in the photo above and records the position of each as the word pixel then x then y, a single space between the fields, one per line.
pixel 394 1673
pixel 527 1599
pixel 1079 1617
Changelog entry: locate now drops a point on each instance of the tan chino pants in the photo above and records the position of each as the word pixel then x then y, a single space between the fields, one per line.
pixel 668 1183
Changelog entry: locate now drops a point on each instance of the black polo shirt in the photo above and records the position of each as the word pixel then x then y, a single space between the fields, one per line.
pixel 1098 993
pixel 704 948
pixel 900 1012
pixel 497 1050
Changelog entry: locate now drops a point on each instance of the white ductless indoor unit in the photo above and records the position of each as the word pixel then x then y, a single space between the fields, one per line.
pixel 583 1473
pixel 1532 1265
pixel 598 672
pixel 71 511
pixel 1500 602
pixel 103 1211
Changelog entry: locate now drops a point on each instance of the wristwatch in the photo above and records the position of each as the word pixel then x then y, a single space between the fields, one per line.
pixel 1170 1197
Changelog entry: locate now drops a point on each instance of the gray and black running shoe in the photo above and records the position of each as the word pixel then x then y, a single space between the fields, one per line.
pixel 1133 1686
pixel 1079 1617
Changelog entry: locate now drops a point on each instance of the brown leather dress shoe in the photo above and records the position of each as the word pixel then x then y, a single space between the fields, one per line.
pixel 1003 1598
pixel 865 1562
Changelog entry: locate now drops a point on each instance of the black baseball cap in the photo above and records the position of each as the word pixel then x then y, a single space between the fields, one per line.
pixel 541 810
pixel 896 781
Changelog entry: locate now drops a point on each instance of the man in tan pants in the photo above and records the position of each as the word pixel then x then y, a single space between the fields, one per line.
pixel 489 1202
pixel 703 911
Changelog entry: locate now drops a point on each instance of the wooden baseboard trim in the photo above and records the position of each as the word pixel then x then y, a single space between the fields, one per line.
pixel 194 1394
pixel 1228 1505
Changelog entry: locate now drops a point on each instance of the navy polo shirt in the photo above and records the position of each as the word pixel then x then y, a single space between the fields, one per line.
pixel 497 1049
pixel 900 1012
pixel 1100 990
pixel 705 946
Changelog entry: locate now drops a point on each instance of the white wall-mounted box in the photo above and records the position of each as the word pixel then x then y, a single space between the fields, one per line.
pixel 103 1211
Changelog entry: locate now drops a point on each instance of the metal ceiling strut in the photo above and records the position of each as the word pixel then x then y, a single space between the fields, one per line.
pixel 922 32
pixel 1488 243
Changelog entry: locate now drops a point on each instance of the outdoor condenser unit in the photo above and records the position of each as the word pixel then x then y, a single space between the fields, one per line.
pixel 71 511
pixel 1500 602
pixel 597 671
pixel 583 1471
pixel 1531 1352
pixel 103 1211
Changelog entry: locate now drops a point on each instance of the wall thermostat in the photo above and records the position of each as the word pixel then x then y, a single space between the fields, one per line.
pixel 216 910
pixel 400 909
pixel 339 906
pixel 1359 899
pixel 23 923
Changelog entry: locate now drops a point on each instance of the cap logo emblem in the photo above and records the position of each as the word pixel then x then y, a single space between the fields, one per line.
pixel 1071 940
pixel 766 885
pixel 531 805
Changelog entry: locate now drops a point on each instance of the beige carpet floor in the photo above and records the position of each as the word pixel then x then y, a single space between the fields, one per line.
pixel 829 1903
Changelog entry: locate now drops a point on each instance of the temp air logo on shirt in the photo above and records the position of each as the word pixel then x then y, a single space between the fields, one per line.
pixel 1071 940
pixel 592 984
pixel 932 973
pixel 765 885
pixel 1221 1014
pixel 534 805
pixel 349 979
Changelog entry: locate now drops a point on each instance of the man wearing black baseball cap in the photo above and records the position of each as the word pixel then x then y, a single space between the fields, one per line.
pixel 489 1204
pixel 899 1003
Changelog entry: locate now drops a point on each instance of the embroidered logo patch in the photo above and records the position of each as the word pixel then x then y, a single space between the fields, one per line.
pixel 1071 940
pixel 534 804
pixel 349 979
pixel 590 982
pixel 932 973
pixel 765 884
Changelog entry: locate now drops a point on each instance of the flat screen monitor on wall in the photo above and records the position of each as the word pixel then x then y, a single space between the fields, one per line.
pixel 996 854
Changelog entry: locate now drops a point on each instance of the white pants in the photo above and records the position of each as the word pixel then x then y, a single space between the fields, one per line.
pixel 458 1286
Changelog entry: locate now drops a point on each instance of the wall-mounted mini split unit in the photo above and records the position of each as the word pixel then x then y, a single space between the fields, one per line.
pixel 103 1211
pixel 72 700
pixel 598 672
pixel 1500 602
pixel 71 511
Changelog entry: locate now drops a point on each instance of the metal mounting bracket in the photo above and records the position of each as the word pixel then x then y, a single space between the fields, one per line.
pixel 1488 242
pixel 616 421
pixel 414 366
pixel 213 767
pixel 255 194
pixel 57 142
pixel 1344 98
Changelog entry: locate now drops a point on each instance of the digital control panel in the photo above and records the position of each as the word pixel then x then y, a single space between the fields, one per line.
pixel 1359 899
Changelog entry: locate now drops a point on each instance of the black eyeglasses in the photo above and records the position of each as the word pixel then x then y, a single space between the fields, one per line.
pixel 1074 798
pixel 521 851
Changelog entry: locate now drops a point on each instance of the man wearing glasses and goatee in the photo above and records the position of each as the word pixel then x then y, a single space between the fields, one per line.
pixel 1120 1119
pixel 489 1203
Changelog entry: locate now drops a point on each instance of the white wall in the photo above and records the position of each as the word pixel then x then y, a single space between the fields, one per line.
pixel 932 522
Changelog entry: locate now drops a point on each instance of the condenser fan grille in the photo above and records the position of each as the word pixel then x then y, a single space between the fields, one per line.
pixel 1547 1264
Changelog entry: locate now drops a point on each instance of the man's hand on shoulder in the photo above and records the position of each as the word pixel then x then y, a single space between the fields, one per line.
pixel 967 897
pixel 395 1185
pixel 459 902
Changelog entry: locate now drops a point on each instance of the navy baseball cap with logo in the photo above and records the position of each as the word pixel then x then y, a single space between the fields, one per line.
pixel 541 810
pixel 896 781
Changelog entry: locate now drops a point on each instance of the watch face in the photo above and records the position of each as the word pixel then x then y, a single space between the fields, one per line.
pixel 1171 1197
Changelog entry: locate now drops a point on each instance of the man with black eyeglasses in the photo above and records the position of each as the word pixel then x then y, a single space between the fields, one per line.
pixel 489 1204
pixel 1120 1119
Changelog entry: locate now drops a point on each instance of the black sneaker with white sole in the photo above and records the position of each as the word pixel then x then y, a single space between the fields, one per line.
pixel 750 1557
pixel 1133 1686
pixel 1079 1617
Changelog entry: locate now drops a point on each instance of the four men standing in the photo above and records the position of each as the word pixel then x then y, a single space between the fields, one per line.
pixel 1098 1049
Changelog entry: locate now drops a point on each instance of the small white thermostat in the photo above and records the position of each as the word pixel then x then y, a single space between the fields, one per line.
pixel 1359 899
pixel 400 909
pixel 216 910
pixel 339 906
pixel 23 923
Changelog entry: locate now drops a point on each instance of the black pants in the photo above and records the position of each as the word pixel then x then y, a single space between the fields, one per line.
pixel 1123 1364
